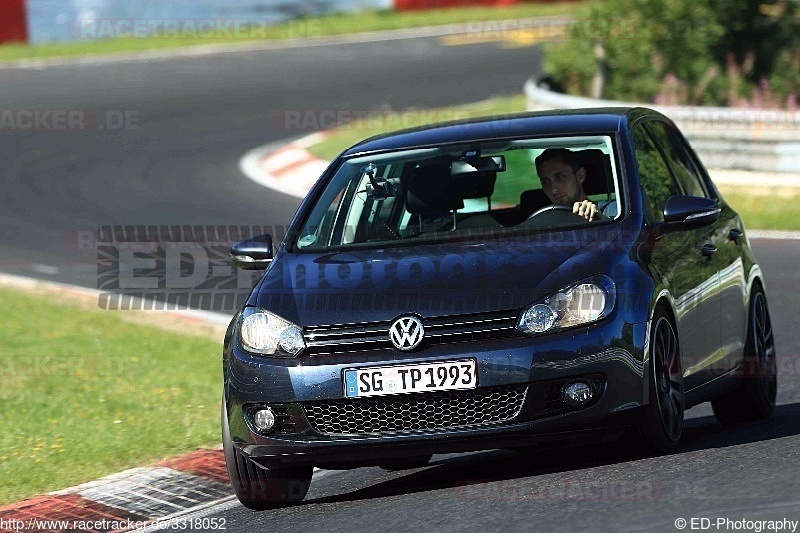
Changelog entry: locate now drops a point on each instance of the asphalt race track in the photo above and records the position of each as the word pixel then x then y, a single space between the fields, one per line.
pixel 194 119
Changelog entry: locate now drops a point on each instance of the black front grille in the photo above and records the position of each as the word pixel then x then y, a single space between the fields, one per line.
pixel 340 338
pixel 412 412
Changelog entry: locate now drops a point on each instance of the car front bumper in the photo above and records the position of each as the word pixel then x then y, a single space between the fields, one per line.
pixel 608 354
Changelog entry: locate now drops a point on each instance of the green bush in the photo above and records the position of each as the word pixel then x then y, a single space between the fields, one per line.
pixel 683 52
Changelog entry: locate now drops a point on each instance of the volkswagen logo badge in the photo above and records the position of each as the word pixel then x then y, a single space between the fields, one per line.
pixel 406 332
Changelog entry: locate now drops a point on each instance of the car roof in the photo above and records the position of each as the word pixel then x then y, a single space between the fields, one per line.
pixel 553 122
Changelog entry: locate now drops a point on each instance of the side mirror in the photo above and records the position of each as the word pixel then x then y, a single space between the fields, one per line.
pixel 254 253
pixel 691 211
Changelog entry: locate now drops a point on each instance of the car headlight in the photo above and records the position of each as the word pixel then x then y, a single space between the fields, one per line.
pixel 582 303
pixel 265 333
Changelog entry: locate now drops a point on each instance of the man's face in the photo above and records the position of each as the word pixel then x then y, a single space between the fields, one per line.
pixel 560 183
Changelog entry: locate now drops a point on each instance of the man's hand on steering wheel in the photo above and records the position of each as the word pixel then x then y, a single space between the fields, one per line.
pixel 587 209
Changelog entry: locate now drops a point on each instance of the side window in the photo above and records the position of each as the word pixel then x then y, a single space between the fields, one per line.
pixel 654 175
pixel 381 210
pixel 678 159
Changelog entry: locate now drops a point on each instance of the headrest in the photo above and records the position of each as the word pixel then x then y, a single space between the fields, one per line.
pixel 477 184
pixel 431 190
pixel 598 171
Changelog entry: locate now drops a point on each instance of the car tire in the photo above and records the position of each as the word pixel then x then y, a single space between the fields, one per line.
pixel 406 463
pixel 754 399
pixel 259 488
pixel 661 425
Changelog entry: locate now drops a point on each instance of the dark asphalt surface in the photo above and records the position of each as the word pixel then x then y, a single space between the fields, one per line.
pixel 195 119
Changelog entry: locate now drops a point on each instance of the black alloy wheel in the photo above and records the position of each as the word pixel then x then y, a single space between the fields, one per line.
pixel 662 423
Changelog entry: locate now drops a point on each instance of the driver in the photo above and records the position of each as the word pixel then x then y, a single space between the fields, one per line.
pixel 562 175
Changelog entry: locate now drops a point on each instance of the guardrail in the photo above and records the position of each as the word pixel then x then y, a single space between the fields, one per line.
pixel 727 138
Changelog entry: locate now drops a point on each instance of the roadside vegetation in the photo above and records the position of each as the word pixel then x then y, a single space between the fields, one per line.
pixel 483 19
pixel 765 208
pixel 86 393
pixel 683 52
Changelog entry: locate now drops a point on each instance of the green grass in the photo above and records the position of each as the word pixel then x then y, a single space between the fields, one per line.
pixel 86 394
pixel 776 211
pixel 324 26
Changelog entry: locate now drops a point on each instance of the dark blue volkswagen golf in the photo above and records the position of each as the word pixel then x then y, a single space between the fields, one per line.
pixel 505 282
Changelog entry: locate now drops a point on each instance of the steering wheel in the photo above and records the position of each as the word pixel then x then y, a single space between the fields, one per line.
pixel 554 215
pixel 549 208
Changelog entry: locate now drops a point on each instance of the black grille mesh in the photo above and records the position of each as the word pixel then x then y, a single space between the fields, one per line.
pixel 416 411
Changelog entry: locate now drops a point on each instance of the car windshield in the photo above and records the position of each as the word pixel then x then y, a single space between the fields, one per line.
pixel 457 192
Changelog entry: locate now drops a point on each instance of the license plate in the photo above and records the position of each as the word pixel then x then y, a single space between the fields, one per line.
pixel 419 377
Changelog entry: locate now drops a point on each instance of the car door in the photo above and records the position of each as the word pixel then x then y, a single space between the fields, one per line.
pixel 728 239
pixel 682 259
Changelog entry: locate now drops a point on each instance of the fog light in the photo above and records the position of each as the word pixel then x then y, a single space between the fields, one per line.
pixel 577 393
pixel 264 419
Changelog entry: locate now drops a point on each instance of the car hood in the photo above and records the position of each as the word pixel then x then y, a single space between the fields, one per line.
pixel 366 285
